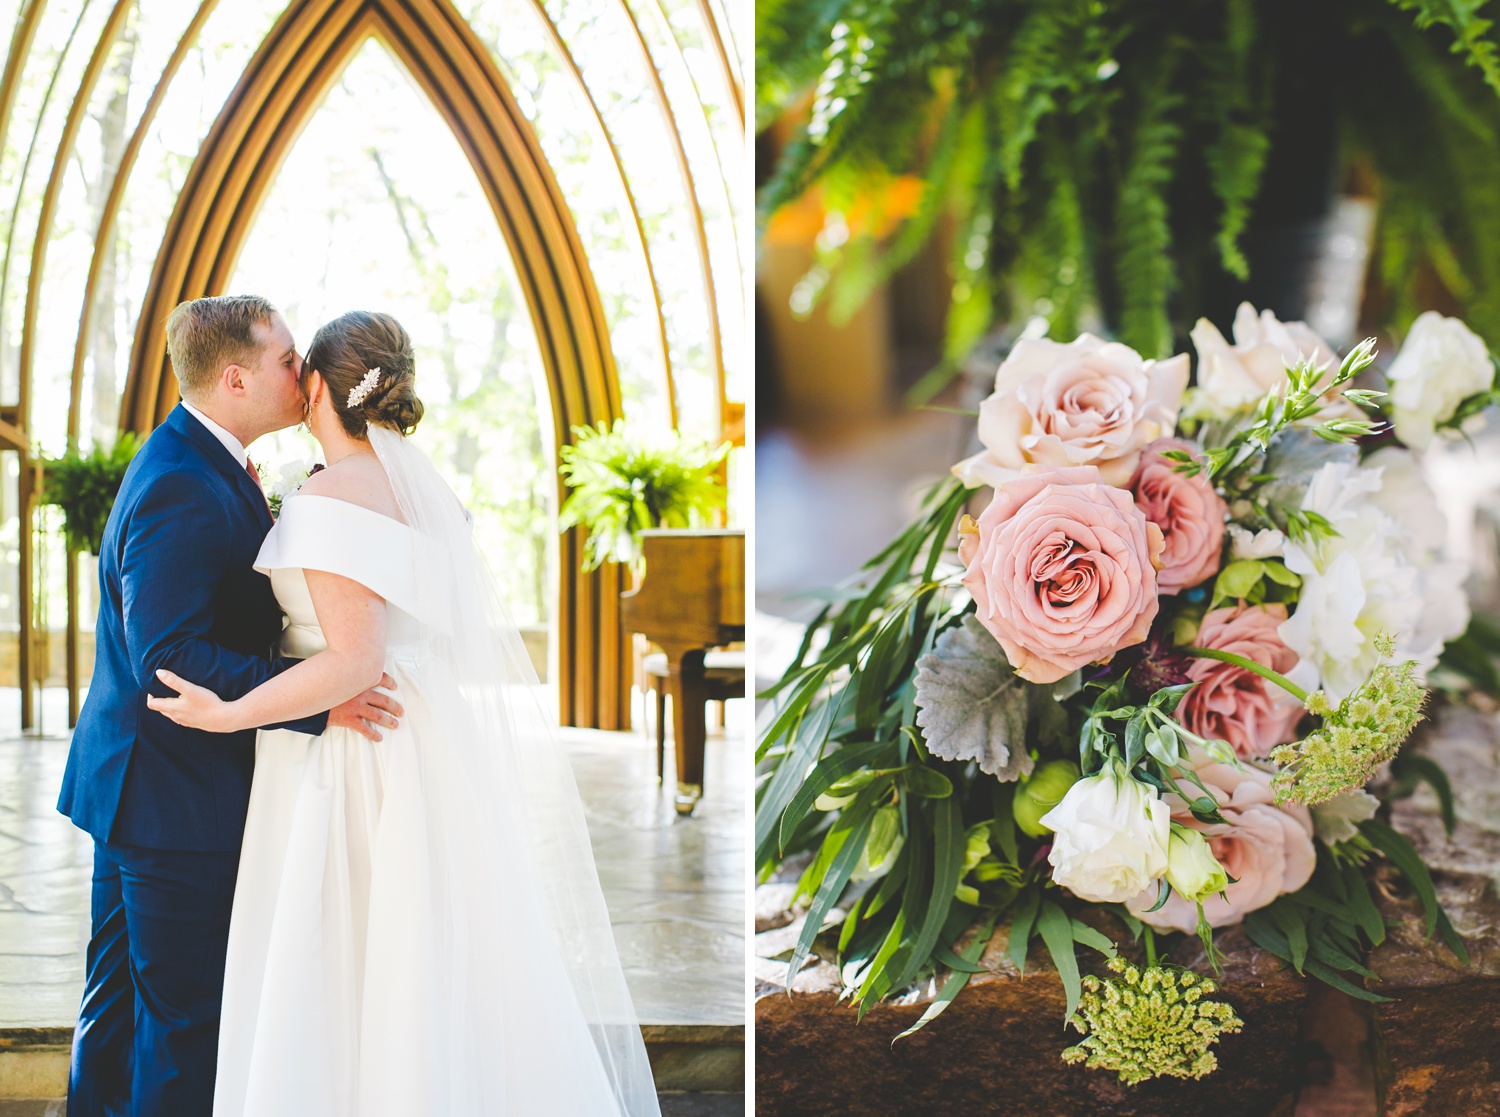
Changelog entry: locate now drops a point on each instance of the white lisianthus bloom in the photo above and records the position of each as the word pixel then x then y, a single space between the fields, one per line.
pixel 1441 364
pixel 1357 585
pixel 1192 869
pixel 1338 819
pixel 1231 377
pixel 1407 498
pixel 1111 835
pixel 1263 544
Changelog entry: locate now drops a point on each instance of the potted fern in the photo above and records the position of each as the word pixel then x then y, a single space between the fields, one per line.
pixel 623 483
pixel 84 486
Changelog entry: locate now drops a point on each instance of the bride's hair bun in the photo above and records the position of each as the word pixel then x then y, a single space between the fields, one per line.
pixel 345 350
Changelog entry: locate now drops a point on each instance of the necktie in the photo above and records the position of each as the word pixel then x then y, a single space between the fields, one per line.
pixel 255 476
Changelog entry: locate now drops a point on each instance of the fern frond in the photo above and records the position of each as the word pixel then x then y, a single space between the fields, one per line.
pixel 1144 271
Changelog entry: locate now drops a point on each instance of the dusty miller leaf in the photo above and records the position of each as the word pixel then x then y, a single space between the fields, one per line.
pixel 971 703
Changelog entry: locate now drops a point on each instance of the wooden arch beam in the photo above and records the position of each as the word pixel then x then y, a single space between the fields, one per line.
pixel 280 90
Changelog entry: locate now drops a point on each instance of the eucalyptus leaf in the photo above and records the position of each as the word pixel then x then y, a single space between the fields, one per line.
pixel 971 703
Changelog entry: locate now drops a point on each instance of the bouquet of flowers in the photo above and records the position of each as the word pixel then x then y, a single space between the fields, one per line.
pixel 289 478
pixel 1170 673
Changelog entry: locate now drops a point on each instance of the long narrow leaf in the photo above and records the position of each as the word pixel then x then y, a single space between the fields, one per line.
pixel 1405 857
pixel 829 770
pixel 948 849
pixel 1021 923
pixel 969 956
pixel 830 890
pixel 1057 933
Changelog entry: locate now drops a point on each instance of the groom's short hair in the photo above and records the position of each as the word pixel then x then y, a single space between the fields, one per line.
pixel 206 335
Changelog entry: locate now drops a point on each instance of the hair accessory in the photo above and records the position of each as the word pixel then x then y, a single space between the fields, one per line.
pixel 358 393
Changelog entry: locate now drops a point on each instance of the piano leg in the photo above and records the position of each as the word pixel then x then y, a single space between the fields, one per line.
pixel 689 692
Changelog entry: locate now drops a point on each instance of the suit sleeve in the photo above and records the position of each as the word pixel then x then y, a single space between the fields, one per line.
pixel 172 554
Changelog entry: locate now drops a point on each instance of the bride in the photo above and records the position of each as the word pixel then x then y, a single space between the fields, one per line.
pixel 418 926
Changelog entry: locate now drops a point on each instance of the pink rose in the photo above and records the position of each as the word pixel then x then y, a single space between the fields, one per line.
pixel 1188 511
pixel 1090 402
pixel 1266 849
pixel 1231 704
pixel 1063 570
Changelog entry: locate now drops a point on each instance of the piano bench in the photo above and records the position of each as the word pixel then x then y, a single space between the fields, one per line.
pixel 723 672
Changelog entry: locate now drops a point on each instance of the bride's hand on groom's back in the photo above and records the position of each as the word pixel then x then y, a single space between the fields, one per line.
pixel 364 712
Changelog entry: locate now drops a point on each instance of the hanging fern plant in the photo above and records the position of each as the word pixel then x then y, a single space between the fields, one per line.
pixel 1104 165
pixel 84 486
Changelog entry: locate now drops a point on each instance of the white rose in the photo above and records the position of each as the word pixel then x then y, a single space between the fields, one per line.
pixel 1111 837
pixel 1338 819
pixel 1441 364
pixel 1231 377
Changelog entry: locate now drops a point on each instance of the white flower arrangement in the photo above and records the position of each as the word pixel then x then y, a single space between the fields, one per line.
pixel 289 478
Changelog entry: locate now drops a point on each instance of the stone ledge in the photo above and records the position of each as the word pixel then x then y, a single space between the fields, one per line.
pixel 998 1047
pixel 684 1057
pixel 1437 1044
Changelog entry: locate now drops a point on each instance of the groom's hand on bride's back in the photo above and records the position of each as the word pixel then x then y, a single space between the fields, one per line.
pixel 364 712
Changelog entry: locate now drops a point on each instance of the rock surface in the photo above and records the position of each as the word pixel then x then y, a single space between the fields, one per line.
pixel 998 1048
pixel 1438 1042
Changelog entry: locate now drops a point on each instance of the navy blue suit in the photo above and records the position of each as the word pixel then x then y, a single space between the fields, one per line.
pixel 166 804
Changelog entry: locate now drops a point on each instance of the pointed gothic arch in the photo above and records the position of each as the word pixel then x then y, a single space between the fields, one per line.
pixel 278 93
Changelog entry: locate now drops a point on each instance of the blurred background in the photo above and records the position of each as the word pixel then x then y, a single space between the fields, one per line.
pixel 937 178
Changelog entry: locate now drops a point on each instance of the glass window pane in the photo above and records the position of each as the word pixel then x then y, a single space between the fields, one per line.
pixel 377 208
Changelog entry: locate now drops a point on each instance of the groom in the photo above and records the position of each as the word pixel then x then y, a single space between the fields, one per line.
pixel 166 805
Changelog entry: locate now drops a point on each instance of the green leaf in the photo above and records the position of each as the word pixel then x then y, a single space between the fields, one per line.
pixel 831 887
pixel 778 792
pixel 1087 935
pixel 1292 926
pixel 969 957
pixel 971 703
pixel 1057 933
pixel 1405 857
pixel 948 849
pixel 1409 768
pixel 833 767
pixel 927 782
pixel 1361 906
pixel 1022 920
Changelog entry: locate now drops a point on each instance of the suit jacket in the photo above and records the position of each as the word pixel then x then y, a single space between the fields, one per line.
pixel 177 589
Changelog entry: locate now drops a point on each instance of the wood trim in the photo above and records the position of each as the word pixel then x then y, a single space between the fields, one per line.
pixel 279 91
pixel 558 44
pixel 111 211
pixel 74 121
pixel 728 68
pixel 27 22
pixel 690 190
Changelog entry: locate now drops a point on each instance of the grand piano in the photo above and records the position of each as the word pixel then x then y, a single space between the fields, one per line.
pixel 691 598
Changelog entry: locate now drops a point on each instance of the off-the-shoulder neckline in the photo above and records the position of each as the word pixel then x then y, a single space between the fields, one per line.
pixel 346 504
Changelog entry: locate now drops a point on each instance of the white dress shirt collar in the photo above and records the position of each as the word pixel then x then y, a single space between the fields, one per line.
pixel 229 442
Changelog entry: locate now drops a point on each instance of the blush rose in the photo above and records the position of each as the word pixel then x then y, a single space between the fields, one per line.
pixel 1266 849
pixel 1232 704
pixel 1062 568
pixel 1089 402
pixel 1189 512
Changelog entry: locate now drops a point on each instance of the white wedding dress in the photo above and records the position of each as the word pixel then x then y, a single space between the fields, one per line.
pixel 400 944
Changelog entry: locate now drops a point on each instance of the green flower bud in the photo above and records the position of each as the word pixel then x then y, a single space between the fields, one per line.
pixel 1042 791
pixel 1192 869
